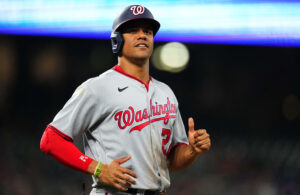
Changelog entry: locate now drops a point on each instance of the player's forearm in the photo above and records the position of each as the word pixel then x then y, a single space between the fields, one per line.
pixel 181 158
pixel 64 151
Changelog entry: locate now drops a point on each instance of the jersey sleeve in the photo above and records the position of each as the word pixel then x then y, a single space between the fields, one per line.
pixel 179 133
pixel 78 114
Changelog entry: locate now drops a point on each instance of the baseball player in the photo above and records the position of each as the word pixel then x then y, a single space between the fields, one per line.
pixel 132 129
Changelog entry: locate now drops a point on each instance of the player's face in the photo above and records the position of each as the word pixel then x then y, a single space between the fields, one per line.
pixel 138 41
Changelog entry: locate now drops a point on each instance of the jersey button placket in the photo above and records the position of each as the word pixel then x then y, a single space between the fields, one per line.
pixel 150 95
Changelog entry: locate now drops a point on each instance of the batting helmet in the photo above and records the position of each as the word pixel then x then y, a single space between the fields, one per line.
pixel 130 13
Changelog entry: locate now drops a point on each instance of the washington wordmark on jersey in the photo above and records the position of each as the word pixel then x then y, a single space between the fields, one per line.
pixel 118 116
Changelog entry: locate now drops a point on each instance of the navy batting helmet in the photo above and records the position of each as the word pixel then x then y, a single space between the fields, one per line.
pixel 130 13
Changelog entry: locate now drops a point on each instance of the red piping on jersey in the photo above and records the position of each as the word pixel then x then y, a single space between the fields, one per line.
pixel 120 70
pixel 178 144
pixel 66 137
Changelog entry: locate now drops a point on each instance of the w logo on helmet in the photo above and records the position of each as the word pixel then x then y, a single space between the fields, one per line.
pixel 137 10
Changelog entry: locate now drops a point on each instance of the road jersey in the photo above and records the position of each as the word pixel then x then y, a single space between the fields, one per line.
pixel 119 115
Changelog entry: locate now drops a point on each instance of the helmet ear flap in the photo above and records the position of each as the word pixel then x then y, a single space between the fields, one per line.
pixel 117 42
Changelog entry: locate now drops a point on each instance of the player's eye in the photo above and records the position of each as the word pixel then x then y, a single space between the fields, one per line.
pixel 148 31
pixel 130 30
pixel 133 30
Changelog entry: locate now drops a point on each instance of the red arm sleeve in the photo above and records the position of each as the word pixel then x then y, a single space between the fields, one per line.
pixel 61 147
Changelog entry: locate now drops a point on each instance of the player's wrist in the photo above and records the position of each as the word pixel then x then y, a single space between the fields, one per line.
pixel 92 166
pixel 98 169
pixel 194 151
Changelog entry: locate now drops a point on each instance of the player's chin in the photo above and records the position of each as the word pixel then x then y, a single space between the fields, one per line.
pixel 143 52
pixel 142 56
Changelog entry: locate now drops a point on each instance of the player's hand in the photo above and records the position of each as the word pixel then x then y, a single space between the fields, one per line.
pixel 198 139
pixel 115 175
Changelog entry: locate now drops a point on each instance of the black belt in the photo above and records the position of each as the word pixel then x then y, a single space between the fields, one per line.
pixel 146 192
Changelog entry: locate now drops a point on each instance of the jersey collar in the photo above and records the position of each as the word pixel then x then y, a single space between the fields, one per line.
pixel 118 69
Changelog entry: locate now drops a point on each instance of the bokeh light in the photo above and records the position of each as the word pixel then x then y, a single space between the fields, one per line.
pixel 172 57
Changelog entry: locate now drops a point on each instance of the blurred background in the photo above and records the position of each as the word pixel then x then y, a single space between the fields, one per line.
pixel 233 65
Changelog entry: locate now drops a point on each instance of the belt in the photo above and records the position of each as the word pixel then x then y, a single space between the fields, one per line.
pixel 146 192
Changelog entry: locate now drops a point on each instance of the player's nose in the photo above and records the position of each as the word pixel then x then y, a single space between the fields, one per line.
pixel 141 34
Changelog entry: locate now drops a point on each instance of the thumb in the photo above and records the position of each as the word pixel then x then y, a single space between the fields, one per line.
pixel 122 160
pixel 191 125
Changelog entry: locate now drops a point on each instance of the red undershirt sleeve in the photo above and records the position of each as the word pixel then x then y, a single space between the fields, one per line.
pixel 61 147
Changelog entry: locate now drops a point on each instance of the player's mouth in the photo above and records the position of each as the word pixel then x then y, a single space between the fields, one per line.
pixel 142 45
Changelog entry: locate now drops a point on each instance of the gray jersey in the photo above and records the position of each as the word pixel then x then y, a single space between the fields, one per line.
pixel 119 115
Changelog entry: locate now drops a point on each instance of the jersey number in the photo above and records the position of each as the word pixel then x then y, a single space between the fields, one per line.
pixel 167 134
